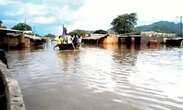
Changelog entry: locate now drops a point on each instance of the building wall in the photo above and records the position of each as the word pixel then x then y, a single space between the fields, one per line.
pixel 3 40
pixel 17 40
pixel 27 42
pixel 110 39
pixel 147 37
pixel 13 41
pixel 155 36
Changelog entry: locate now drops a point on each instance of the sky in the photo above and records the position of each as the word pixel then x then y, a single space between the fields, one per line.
pixel 48 16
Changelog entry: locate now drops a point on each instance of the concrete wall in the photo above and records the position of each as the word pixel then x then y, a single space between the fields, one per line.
pixel 14 97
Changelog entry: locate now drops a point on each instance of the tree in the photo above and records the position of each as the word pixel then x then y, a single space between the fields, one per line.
pixel 124 23
pixel 1 25
pixel 22 27
pixel 79 32
pixel 100 32
pixel 50 35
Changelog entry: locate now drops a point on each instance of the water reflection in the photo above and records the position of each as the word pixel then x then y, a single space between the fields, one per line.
pixel 105 77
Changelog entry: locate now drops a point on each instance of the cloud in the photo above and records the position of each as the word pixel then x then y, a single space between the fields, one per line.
pixel 49 13
pixel 3 2
pixel 98 14
pixel 44 20
pixel 29 9
pixel 86 14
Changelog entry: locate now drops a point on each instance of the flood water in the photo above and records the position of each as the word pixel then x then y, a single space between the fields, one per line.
pixel 100 78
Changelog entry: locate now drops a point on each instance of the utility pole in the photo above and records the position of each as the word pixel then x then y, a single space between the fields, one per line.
pixel 25 20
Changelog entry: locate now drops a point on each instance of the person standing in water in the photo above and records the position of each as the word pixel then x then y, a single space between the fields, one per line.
pixel 59 41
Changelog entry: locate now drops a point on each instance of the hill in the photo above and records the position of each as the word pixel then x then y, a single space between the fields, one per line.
pixel 161 26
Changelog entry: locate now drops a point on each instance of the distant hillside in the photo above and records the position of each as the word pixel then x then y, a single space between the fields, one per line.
pixel 161 26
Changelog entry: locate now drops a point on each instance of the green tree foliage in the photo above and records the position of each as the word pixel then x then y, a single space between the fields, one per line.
pixel 1 24
pixel 124 23
pixel 79 32
pixel 22 27
pixel 38 35
pixel 50 35
pixel 100 32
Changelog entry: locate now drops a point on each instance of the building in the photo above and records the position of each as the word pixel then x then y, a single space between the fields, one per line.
pixel 15 39
pixel 155 37
pixel 101 39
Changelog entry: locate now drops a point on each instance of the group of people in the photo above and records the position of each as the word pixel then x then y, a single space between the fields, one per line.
pixel 67 39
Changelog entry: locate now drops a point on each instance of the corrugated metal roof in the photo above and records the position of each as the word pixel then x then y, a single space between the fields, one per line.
pixel 95 37
pixel 13 34
pixel 10 30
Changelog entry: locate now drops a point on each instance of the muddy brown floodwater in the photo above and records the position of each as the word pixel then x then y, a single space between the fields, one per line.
pixel 100 78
